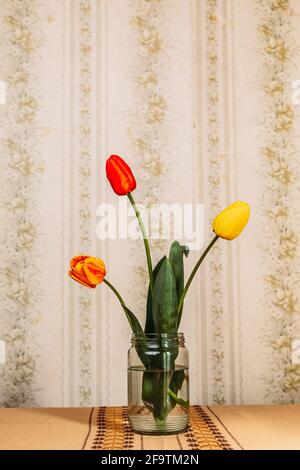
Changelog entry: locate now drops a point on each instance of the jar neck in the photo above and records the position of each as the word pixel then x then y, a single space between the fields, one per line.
pixel 159 338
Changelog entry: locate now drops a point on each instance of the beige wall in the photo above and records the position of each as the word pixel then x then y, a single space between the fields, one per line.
pixel 197 95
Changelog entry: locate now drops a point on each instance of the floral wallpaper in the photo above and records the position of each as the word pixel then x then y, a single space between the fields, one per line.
pixel 280 168
pixel 85 172
pixel 215 201
pixel 149 26
pixel 198 96
pixel 22 166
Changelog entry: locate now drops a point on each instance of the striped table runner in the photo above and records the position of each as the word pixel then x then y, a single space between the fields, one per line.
pixel 110 430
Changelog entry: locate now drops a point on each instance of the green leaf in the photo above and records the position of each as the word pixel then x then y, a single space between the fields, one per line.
pixel 160 391
pixel 155 393
pixel 133 322
pixel 137 330
pixel 177 380
pixel 176 260
pixel 165 303
pixel 149 327
pixel 186 250
pixel 177 252
pixel 176 383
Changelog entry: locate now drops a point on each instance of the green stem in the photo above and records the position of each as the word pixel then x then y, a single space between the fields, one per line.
pixel 132 320
pixel 184 292
pixel 146 241
pixel 115 292
pixel 179 401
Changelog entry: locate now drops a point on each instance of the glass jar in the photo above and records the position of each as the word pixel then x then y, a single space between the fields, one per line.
pixel 158 384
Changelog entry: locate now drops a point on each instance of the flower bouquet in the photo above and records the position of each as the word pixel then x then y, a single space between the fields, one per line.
pixel 158 384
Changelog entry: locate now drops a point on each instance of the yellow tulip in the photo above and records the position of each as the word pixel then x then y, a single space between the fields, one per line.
pixel 232 220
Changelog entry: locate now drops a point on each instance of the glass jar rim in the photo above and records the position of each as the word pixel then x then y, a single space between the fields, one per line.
pixel 159 335
pixel 154 338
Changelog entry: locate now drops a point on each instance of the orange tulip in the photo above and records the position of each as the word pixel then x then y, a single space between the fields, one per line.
pixel 87 270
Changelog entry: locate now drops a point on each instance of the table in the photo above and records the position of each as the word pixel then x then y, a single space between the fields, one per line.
pixel 215 427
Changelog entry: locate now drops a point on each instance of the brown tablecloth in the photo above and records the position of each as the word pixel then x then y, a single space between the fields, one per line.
pixel 217 428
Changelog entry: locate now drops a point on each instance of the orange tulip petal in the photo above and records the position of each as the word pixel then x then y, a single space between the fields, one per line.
pixel 96 261
pixel 79 268
pixel 81 280
pixel 77 259
pixel 93 274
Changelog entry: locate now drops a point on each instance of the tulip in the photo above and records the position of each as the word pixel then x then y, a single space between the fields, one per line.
pixel 90 272
pixel 232 220
pixel 120 176
pixel 123 183
pixel 228 225
pixel 87 270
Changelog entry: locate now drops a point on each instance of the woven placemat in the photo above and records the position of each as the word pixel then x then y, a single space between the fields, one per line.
pixel 110 430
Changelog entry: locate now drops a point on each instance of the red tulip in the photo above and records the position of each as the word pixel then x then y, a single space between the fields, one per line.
pixel 120 176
